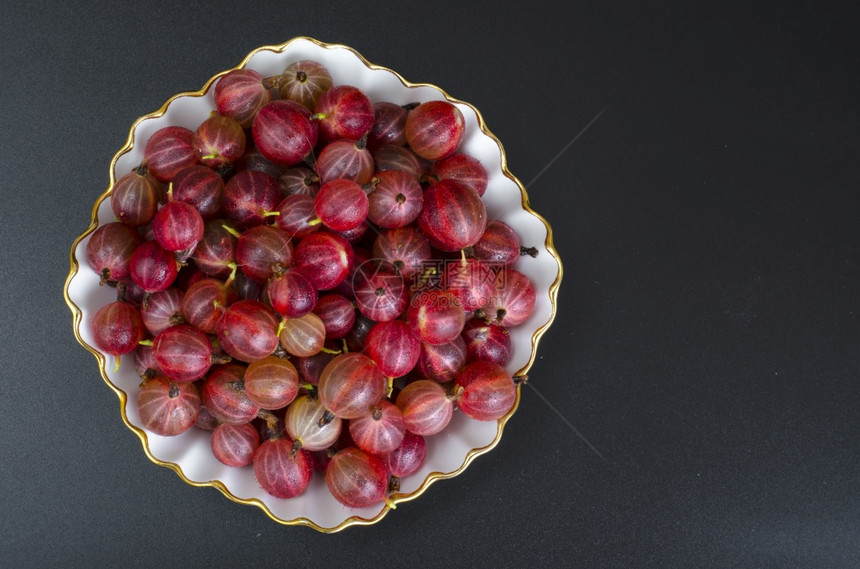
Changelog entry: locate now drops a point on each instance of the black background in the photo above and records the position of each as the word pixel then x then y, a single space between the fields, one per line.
pixel 706 342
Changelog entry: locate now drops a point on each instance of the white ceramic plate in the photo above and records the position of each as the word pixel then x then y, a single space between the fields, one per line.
pixel 448 453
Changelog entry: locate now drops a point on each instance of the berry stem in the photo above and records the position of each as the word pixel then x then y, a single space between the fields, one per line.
pixel 390 503
pixel 231 231
pixel 142 169
pixel 455 394
pixel 272 82
pixel 310 160
pixel 530 251
pixel 327 418
pixel 221 359
pixel 520 379
pixel 297 446
pixel 233 268
pixel 393 484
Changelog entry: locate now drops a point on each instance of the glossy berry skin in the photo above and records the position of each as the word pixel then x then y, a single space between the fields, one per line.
pixel 337 314
pixel 345 159
pixel 284 133
pixel 248 196
pixel 295 214
pixel 425 406
pixel 135 197
pixel 471 281
pixel 380 293
pixel 235 445
pixel 291 294
pixel 130 293
pixel 499 245
pixel 262 250
pixel 380 430
pixel 248 289
pixel 344 111
pixel 389 125
pixel 216 250
pixel 279 471
pixel 188 275
pixel 109 250
pixel 205 302
pixel 406 249
pixel 304 336
pixel 325 258
pixel 202 188
pixel 168 151
pixel 464 169
pixel 144 362
pixel 166 407
pixel 453 216
pixel 356 479
pixel 488 392
pixel 393 347
pixel 183 353
pixel 224 396
pixel 219 141
pixel 205 420
pixel 164 310
pixel 311 368
pixel 355 338
pixel 396 199
pixel 341 205
pixel 254 160
pixel 513 300
pixel 435 129
pixel 117 328
pixel 391 157
pixel 304 81
pixel 152 268
pixel 442 362
pixel 302 424
pixel 350 384
pixel 487 342
pixel 177 226
pixel 407 458
pixel 299 180
pixel 247 331
pixel 272 383
pixel 436 317
pixel 355 234
pixel 239 94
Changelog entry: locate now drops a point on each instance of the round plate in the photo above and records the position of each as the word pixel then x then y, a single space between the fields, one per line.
pixel 449 452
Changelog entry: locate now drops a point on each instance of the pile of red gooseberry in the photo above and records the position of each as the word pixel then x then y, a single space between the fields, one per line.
pixel 312 277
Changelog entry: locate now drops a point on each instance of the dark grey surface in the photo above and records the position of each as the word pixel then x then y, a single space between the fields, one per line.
pixel 706 342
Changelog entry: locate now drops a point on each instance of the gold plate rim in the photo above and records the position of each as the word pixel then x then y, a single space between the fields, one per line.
pixel 431 478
